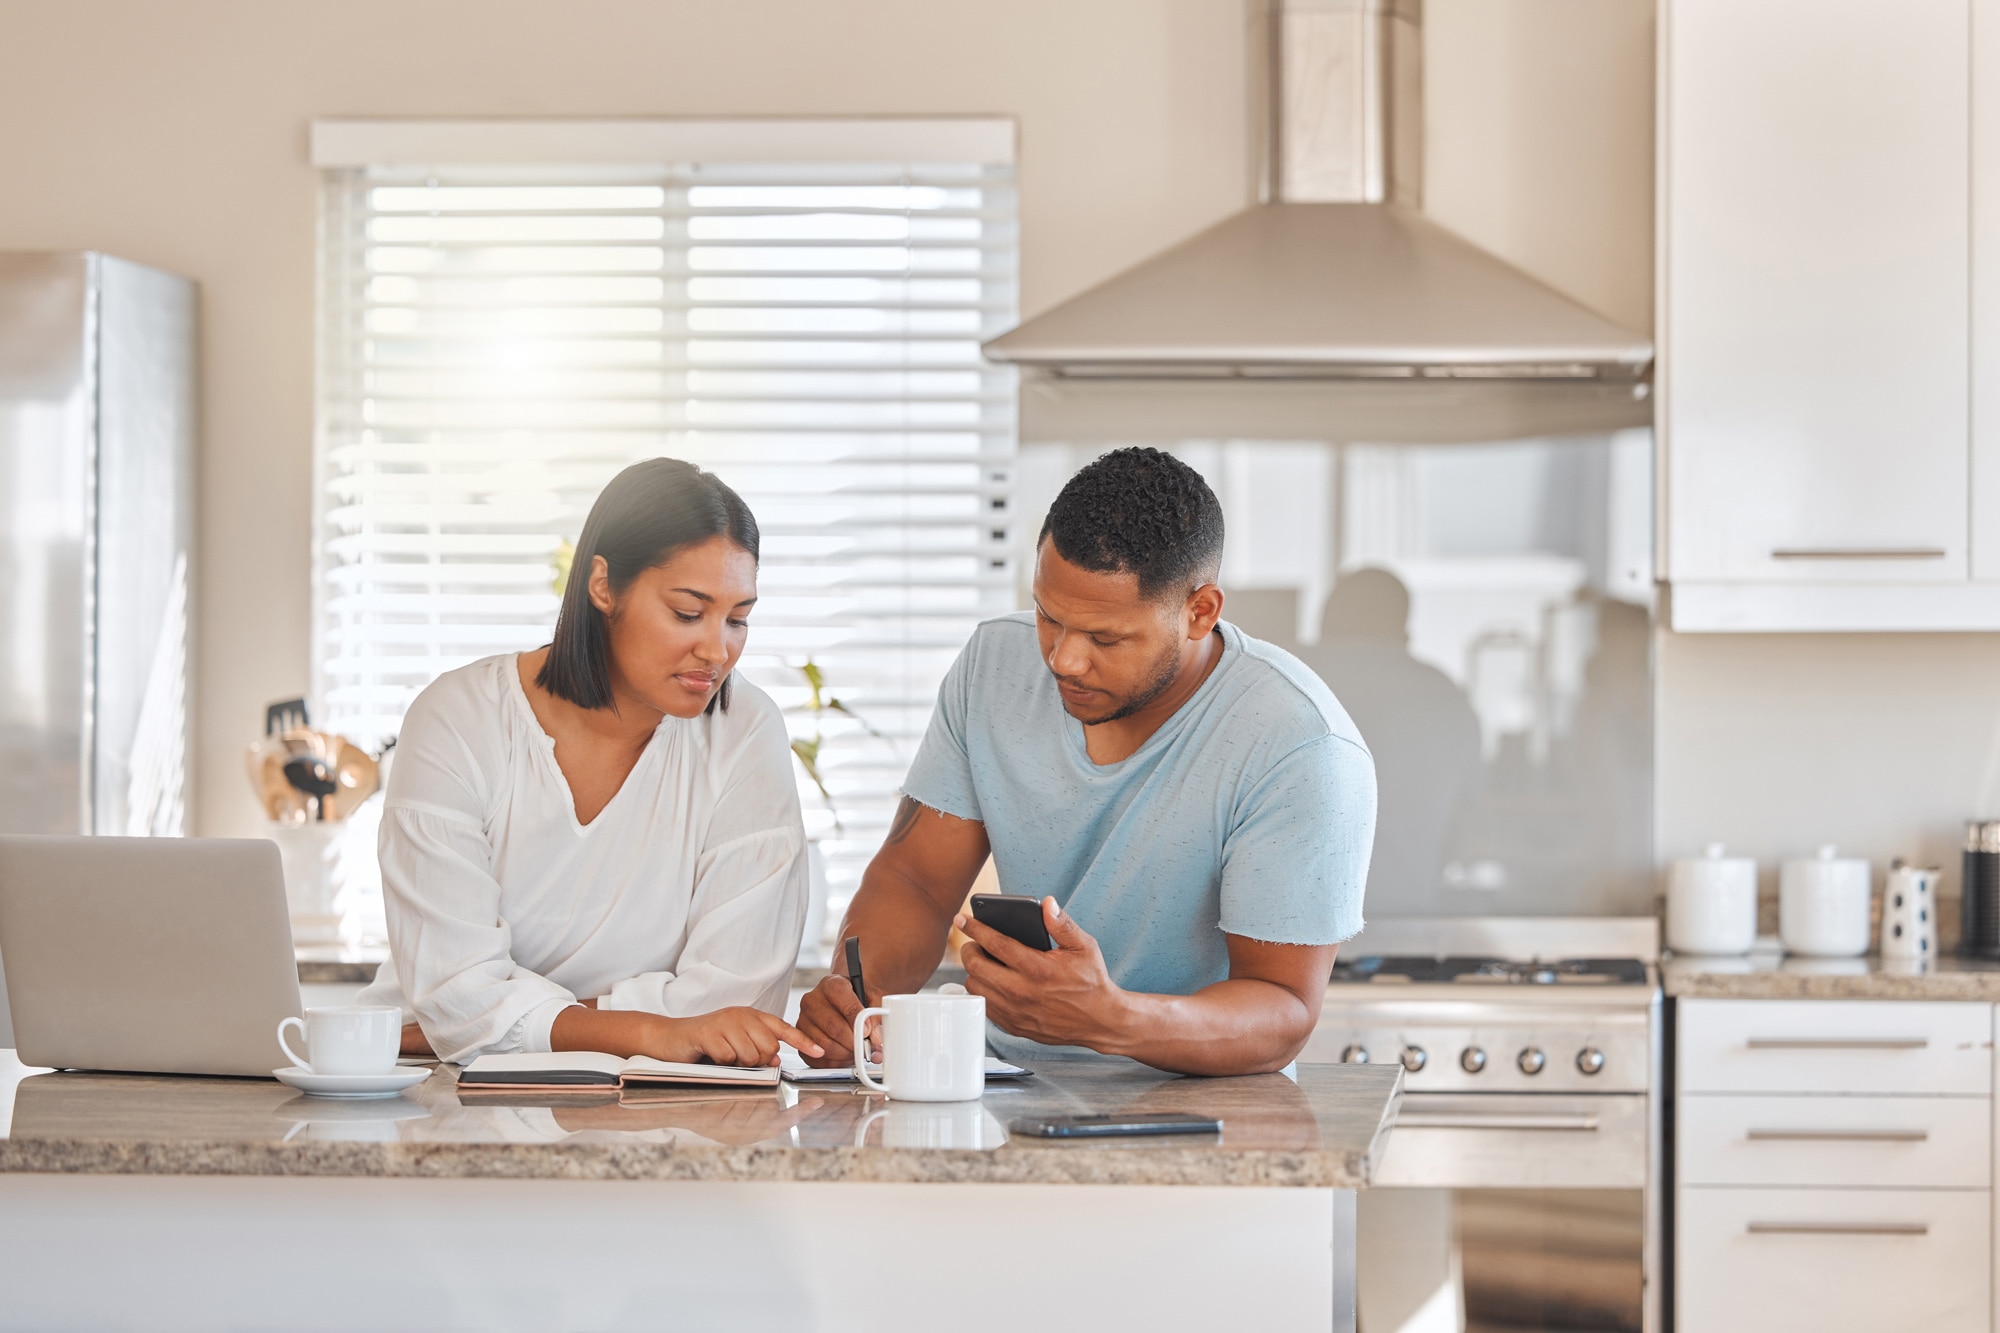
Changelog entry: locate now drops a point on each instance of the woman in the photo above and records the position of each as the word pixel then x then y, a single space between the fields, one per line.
pixel 597 845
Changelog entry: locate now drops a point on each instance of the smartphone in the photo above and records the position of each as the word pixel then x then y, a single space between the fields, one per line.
pixel 1114 1126
pixel 1015 917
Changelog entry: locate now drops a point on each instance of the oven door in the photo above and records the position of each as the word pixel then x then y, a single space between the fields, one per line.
pixel 1503 1212
pixel 1501 1140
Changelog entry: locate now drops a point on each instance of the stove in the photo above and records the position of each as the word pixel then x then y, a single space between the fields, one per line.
pixel 1522 1015
pixel 1530 1055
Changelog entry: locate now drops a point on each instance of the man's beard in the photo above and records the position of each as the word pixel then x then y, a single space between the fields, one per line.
pixel 1165 675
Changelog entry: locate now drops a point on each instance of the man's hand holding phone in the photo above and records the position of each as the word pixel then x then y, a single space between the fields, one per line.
pixel 1061 996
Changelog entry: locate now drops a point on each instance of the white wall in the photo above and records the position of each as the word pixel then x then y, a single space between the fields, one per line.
pixel 175 134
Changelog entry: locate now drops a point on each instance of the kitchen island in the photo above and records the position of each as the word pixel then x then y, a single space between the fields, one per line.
pixel 221 1202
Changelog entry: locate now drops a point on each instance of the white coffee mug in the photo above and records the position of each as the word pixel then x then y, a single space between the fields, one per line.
pixel 347 1039
pixel 933 1047
pixel 1712 904
pixel 1823 906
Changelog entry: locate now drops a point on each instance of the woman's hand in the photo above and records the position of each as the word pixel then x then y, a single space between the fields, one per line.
pixel 737 1036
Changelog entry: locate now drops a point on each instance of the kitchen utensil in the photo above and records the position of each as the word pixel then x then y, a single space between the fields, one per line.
pixel 1979 891
pixel 285 715
pixel 1909 911
pixel 1712 903
pixel 1823 905
pixel 313 776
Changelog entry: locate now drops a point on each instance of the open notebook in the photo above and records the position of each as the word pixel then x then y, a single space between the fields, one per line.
pixel 593 1071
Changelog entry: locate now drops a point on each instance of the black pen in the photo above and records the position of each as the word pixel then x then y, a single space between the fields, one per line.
pixel 853 946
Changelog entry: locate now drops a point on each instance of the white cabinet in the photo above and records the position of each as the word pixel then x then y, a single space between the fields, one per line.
pixel 1827 311
pixel 1831 1261
pixel 1833 1166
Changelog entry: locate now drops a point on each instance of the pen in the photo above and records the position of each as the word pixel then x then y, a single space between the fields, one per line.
pixel 853 947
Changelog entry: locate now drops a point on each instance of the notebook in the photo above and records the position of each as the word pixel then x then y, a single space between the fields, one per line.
pixel 797 1071
pixel 593 1071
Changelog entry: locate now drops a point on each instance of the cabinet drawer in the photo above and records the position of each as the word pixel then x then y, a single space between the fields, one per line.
pixel 1912 1142
pixel 1832 1261
pixel 1838 1046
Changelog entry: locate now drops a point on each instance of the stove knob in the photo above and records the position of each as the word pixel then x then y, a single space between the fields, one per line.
pixel 1590 1060
pixel 1531 1060
pixel 1472 1060
pixel 1414 1059
pixel 1354 1055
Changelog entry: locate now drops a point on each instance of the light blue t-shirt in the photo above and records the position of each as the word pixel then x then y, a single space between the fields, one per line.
pixel 1250 811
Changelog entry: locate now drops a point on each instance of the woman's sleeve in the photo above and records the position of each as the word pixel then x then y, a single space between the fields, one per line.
pixel 750 887
pixel 453 953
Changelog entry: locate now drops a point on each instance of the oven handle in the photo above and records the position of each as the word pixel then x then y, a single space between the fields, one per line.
pixel 1586 1124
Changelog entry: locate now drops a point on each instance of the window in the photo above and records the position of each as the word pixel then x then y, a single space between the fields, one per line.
pixel 512 313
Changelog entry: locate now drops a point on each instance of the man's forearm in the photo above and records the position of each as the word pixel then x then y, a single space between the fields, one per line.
pixel 902 933
pixel 1239 1026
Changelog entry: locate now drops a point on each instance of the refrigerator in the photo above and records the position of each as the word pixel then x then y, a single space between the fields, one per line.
pixel 97 414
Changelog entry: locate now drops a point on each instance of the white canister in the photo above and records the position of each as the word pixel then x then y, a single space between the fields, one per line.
pixel 1823 905
pixel 1909 912
pixel 1712 903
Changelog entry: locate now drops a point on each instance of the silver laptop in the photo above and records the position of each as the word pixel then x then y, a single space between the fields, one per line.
pixel 158 955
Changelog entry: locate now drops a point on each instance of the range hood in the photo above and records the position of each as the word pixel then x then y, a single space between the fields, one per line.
pixel 1339 278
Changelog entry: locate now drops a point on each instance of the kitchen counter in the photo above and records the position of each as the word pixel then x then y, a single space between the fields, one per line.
pixel 1762 976
pixel 1324 1131
pixel 216 1200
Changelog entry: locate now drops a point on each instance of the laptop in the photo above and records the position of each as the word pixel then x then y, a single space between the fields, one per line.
pixel 153 955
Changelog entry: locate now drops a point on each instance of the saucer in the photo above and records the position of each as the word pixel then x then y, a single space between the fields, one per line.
pixel 350 1086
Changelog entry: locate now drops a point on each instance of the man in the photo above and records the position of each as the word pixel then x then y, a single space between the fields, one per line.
pixel 1192 806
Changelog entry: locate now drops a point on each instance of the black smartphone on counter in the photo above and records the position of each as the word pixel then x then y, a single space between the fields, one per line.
pixel 1114 1126
pixel 1014 916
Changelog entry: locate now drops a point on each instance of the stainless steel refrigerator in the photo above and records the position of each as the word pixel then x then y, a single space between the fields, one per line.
pixel 97 402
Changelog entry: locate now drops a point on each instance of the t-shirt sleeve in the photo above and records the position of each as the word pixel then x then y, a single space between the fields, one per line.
pixel 941 775
pixel 1294 865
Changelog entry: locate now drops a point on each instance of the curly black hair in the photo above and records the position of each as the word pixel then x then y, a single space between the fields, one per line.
pixel 1139 511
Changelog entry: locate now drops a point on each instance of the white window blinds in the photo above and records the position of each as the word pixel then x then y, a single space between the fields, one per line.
pixel 499 339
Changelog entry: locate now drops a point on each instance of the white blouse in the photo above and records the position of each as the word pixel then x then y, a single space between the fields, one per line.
pixel 685 895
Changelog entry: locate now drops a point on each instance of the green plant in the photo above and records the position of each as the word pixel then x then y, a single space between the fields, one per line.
pixel 819 702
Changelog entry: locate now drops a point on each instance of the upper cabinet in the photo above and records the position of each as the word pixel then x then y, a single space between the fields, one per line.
pixel 1820 326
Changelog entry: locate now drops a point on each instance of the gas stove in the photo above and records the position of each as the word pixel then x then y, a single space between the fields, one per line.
pixel 1500 1006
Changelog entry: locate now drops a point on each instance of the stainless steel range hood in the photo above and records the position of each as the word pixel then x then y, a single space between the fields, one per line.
pixel 1340 278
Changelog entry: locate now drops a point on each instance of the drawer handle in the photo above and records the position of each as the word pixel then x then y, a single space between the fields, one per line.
pixel 1586 1124
pixel 1838 1136
pixel 1859 553
pixel 1838 1229
pixel 1837 1043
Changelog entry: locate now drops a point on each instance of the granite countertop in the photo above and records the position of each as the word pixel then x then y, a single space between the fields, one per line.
pixel 1326 1130
pixel 1770 976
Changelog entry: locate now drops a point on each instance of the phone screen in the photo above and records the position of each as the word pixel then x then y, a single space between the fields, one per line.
pixel 1018 918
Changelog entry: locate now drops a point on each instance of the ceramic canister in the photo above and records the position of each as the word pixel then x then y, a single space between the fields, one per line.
pixel 1823 905
pixel 1909 912
pixel 1712 903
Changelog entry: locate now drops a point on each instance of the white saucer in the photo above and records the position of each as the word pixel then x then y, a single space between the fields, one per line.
pixel 351 1087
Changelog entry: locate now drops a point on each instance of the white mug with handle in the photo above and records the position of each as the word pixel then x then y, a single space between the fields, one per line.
pixel 347 1038
pixel 933 1047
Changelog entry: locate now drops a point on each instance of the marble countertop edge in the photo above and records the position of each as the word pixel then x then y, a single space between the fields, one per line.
pixel 1052 1165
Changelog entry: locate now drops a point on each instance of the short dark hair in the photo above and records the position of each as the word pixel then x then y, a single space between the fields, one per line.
pixel 648 512
pixel 1139 511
